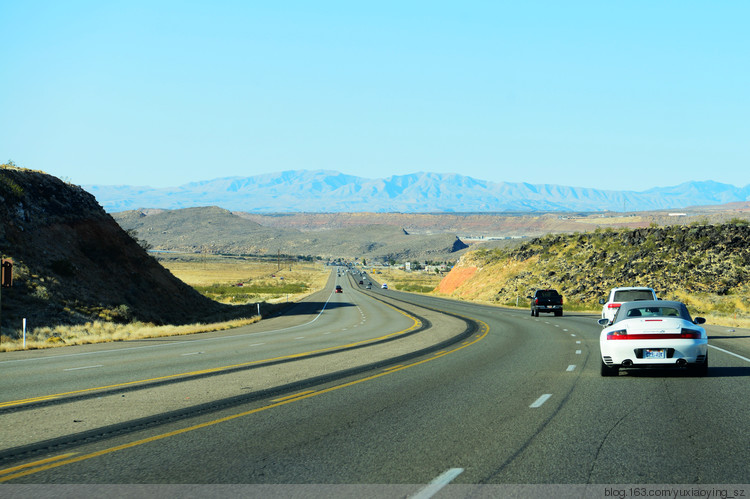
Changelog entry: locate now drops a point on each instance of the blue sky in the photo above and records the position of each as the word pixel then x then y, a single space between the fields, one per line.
pixel 604 94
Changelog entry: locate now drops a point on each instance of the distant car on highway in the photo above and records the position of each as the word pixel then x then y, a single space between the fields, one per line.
pixel 384 286
pixel 546 300
pixel 618 296
pixel 338 289
pixel 653 333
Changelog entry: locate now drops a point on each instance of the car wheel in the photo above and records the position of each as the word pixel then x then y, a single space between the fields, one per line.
pixel 558 313
pixel 609 371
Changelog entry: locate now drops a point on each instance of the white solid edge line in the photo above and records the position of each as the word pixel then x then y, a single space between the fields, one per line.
pixel 438 483
pixel 731 353
pixel 85 367
pixel 538 402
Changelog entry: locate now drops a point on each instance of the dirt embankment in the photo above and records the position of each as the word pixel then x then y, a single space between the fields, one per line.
pixel 73 263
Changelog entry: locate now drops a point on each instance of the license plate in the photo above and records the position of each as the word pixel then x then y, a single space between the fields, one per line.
pixel 654 353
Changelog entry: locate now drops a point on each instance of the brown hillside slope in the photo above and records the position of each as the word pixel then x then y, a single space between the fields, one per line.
pixel 74 264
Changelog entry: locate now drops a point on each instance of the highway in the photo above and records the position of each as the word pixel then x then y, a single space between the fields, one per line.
pixel 374 387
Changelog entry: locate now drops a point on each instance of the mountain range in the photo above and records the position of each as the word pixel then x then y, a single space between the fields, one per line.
pixel 319 191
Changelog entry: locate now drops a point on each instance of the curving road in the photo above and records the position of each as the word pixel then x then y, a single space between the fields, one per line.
pixel 512 399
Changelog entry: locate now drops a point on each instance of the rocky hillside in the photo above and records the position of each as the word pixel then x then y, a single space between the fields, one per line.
pixel 708 264
pixel 73 263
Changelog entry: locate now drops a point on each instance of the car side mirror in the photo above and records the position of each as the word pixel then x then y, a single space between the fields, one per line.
pixel 602 301
pixel 699 320
pixel 604 322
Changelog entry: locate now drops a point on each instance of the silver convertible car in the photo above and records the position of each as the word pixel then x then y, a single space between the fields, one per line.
pixel 653 334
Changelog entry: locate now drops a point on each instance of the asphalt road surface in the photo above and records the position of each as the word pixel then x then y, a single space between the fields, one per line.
pixel 374 387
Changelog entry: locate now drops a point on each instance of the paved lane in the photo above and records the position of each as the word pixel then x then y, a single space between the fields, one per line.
pixel 324 320
pixel 520 401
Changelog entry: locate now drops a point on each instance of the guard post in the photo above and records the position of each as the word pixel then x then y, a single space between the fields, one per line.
pixel 7 273
pixel 6 281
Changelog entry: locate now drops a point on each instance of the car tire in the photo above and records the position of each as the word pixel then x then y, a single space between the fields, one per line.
pixel 609 371
pixel 700 369
pixel 558 313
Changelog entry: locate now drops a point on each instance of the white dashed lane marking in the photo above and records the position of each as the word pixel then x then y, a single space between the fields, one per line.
pixel 541 400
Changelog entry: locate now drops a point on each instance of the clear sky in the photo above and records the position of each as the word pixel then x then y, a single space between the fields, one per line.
pixel 605 94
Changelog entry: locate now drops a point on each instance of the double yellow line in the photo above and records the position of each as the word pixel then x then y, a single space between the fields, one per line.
pixel 70 458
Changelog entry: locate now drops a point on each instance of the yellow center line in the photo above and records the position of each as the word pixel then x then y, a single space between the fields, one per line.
pixel 213 369
pixel 36 463
pixel 393 367
pixel 278 403
pixel 292 396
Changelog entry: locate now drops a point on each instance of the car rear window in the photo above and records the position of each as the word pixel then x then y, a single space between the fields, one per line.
pixel 633 295
pixel 653 312
pixel 547 294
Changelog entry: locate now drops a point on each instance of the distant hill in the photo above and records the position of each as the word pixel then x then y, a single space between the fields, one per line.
pixel 74 264
pixel 216 230
pixel 329 191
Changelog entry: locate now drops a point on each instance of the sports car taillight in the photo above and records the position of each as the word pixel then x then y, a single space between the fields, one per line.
pixel 614 305
pixel 621 334
pixel 690 333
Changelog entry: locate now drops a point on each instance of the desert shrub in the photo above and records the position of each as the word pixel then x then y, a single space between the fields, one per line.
pixel 251 291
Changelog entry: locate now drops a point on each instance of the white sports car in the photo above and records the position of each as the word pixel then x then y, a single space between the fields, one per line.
pixel 653 333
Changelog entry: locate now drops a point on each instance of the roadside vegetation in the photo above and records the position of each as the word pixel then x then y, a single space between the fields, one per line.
pixel 104 332
pixel 413 282
pixel 240 280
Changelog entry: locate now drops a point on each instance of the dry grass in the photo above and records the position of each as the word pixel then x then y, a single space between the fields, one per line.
pixel 204 271
pixel 415 282
pixel 105 332
pixel 611 220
